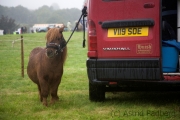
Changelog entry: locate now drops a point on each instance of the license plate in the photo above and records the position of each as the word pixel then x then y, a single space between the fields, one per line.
pixel 128 32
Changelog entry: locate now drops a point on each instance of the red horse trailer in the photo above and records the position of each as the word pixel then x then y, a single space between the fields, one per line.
pixel 132 46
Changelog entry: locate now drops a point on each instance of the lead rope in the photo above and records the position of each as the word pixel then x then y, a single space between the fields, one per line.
pixel 84 14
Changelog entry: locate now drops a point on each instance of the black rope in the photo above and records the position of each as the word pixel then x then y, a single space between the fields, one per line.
pixel 74 29
pixel 84 40
pixel 84 14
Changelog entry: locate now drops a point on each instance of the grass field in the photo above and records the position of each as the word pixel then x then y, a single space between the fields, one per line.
pixel 19 96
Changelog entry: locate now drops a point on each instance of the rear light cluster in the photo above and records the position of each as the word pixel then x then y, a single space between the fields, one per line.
pixel 92 39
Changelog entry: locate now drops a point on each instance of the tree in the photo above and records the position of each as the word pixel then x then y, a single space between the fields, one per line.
pixel 55 6
pixel 7 24
pixel 43 15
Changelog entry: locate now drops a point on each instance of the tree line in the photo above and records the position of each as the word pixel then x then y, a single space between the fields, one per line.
pixel 13 17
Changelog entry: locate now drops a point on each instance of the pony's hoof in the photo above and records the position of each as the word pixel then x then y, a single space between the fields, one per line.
pixel 45 104
pixel 53 101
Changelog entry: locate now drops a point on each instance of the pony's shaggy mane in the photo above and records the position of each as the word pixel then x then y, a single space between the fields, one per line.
pixel 52 34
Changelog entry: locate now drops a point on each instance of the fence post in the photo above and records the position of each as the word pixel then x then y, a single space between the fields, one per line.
pixel 22 57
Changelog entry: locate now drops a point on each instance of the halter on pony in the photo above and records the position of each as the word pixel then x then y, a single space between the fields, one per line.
pixel 58 47
pixel 55 42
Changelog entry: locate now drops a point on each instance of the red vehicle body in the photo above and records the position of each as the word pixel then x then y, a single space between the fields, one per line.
pixel 125 46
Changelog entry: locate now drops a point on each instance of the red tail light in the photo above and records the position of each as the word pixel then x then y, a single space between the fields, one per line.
pixel 92 28
pixel 92 39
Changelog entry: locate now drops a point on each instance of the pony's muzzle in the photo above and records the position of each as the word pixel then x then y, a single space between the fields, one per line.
pixel 50 53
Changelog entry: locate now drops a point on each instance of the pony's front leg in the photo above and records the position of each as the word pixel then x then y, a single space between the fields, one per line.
pixel 39 89
pixel 54 97
pixel 44 91
pixel 54 90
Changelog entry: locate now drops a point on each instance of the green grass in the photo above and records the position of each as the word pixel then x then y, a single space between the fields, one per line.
pixel 19 96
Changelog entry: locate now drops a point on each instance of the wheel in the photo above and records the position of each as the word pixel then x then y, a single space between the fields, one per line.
pixel 96 92
pixel 41 31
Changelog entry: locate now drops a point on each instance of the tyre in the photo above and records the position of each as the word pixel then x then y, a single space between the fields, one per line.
pixel 96 92
pixel 42 31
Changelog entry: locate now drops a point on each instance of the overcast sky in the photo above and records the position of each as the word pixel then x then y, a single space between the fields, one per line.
pixel 35 4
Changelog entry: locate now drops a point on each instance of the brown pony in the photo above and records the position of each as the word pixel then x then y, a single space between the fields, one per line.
pixel 45 67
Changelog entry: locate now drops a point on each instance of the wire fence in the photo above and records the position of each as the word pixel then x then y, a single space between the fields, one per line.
pixel 14 55
pixel 11 53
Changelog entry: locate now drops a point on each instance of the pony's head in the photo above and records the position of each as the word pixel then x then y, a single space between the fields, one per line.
pixel 55 42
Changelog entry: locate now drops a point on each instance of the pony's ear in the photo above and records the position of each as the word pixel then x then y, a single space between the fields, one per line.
pixel 61 29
